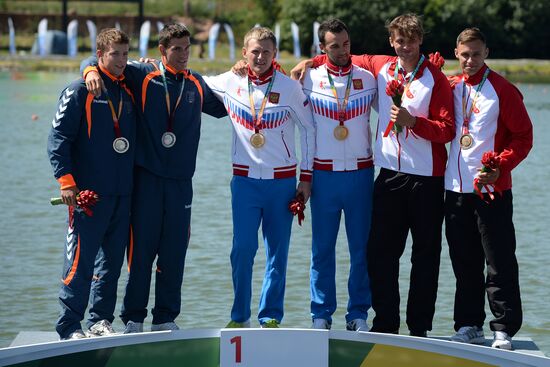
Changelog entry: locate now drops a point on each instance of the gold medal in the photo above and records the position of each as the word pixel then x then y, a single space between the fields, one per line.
pixel 257 140
pixel 121 145
pixel 341 132
pixel 466 141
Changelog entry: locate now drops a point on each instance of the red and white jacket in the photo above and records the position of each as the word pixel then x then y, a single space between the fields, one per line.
pixel 355 152
pixel 499 122
pixel 286 107
pixel 421 149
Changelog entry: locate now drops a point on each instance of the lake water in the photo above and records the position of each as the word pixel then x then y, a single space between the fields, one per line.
pixel 32 232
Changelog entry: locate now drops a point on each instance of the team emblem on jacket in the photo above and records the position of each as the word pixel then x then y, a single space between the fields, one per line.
pixel 357 84
pixel 190 96
pixel 274 97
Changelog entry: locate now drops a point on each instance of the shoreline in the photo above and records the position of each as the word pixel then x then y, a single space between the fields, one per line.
pixel 516 70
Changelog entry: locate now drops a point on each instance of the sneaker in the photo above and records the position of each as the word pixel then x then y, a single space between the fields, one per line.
pixel 133 327
pixel 270 324
pixel 238 325
pixel 320 324
pixel 502 341
pixel 357 325
pixel 77 334
pixel 470 335
pixel 165 326
pixel 101 328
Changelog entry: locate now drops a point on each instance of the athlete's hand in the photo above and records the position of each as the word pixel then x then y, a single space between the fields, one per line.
pixel 401 116
pixel 304 188
pixel 94 83
pixel 490 177
pixel 69 195
pixel 148 60
pixel 240 68
pixel 299 71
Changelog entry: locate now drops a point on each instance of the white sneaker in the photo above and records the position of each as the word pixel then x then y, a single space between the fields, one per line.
pixel 357 325
pixel 502 341
pixel 101 328
pixel 470 335
pixel 320 324
pixel 77 334
pixel 165 326
pixel 133 327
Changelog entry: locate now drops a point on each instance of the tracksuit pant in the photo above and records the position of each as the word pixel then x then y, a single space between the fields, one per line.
pixel 256 201
pixel 481 233
pixel 403 202
pixel 106 231
pixel 161 219
pixel 333 193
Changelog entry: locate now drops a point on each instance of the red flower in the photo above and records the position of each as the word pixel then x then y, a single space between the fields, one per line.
pixel 85 199
pixel 490 161
pixel 297 207
pixel 395 90
pixel 437 60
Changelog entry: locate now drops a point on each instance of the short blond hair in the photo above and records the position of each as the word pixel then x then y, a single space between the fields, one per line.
pixel 110 36
pixel 408 25
pixel 260 34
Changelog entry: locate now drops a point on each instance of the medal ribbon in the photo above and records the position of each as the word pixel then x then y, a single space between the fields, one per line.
pixel 258 120
pixel 116 116
pixel 466 116
pixel 411 77
pixel 341 108
pixel 171 114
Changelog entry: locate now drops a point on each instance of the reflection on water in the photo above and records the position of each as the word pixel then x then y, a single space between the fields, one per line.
pixel 32 232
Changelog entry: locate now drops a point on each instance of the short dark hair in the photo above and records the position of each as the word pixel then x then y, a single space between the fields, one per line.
pixel 331 25
pixel 110 36
pixel 471 34
pixel 172 30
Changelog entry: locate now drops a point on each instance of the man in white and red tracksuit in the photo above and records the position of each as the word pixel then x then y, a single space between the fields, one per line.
pixel 341 96
pixel 265 107
pixel 490 117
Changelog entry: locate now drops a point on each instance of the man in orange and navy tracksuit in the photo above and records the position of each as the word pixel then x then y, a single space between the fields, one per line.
pixel 171 99
pixel 91 146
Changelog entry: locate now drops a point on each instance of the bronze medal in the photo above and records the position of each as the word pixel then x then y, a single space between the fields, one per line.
pixel 121 145
pixel 257 140
pixel 466 141
pixel 168 139
pixel 341 132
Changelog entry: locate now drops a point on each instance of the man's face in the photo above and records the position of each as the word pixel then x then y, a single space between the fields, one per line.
pixel 259 55
pixel 337 47
pixel 114 58
pixel 407 49
pixel 471 56
pixel 176 54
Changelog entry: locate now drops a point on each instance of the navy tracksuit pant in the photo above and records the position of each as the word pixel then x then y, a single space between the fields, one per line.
pixel 161 219
pixel 106 231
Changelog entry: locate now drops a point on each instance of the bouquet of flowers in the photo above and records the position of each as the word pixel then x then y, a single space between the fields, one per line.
pixel 395 90
pixel 297 207
pixel 490 161
pixel 437 60
pixel 85 199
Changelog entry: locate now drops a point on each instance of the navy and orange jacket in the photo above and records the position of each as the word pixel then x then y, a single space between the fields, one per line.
pixel 145 81
pixel 80 143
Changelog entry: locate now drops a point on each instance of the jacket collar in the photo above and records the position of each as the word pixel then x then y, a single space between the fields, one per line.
pixel 262 79
pixel 419 73
pixel 476 78
pixel 111 76
pixel 338 70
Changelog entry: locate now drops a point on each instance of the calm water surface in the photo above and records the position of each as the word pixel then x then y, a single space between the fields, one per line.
pixel 32 232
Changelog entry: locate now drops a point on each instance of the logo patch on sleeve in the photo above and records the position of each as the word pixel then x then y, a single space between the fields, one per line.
pixel 274 97
pixel 357 84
